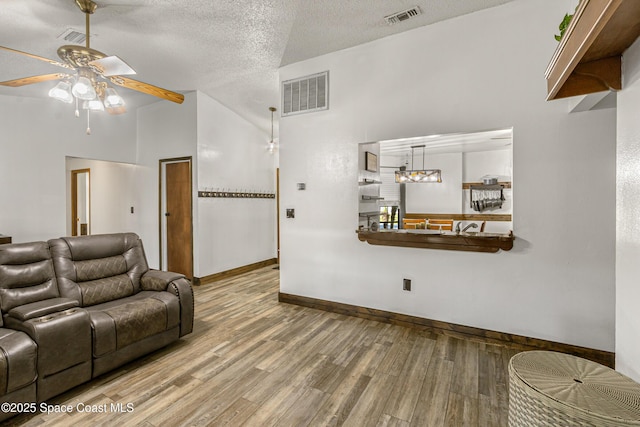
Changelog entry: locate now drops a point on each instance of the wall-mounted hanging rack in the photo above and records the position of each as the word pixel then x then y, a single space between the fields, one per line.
pixel 236 194
pixel 484 197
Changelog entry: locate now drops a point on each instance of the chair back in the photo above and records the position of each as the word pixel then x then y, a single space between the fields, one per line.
pixel 26 275
pixel 98 268
pixel 440 224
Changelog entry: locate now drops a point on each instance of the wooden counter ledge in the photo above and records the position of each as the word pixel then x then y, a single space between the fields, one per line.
pixel 433 239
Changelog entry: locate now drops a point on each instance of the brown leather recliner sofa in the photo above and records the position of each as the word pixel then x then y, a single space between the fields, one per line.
pixel 76 307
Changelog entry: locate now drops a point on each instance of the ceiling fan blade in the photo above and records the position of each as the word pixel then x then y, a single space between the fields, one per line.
pixel 147 88
pixel 30 55
pixel 111 66
pixel 34 79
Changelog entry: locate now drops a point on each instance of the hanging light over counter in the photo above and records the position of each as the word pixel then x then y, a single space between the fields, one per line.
pixel 272 144
pixel 418 175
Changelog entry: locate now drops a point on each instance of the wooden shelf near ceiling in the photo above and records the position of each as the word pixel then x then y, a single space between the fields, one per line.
pixel 460 217
pixel 589 56
pixel 467 185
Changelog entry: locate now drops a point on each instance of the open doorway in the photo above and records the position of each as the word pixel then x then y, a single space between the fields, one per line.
pixel 111 196
pixel 80 202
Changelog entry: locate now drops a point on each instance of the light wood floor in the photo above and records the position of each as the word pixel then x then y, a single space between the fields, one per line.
pixel 256 362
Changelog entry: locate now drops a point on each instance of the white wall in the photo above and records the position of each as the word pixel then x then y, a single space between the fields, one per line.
pixel 438 198
pixel 628 218
pixel 494 163
pixel 479 71
pixel 227 152
pixel 113 193
pixel 165 130
pixel 37 135
pixel 233 155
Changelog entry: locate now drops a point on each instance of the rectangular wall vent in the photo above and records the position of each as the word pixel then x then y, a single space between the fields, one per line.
pixel 403 16
pixel 72 36
pixel 305 94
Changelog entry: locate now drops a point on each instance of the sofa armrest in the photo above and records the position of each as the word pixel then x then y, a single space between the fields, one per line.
pixel 18 358
pixel 183 290
pixel 178 285
pixel 41 308
pixel 156 280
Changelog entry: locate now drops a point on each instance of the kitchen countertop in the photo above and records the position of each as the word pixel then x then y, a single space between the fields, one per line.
pixel 436 239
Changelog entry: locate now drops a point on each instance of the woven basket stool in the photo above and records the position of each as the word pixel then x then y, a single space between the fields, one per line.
pixel 557 389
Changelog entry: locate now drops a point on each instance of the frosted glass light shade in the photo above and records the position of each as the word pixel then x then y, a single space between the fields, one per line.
pixel 93 105
pixel 83 89
pixel 62 92
pixel 112 99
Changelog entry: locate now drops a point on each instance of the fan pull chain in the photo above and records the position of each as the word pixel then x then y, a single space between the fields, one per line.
pixel 77 112
pixel 88 127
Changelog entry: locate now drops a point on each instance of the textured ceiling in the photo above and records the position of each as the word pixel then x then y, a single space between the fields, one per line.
pixel 230 50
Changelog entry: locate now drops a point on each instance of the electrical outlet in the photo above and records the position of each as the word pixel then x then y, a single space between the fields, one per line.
pixel 406 284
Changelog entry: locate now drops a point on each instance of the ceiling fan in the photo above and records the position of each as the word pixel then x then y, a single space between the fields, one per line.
pixel 88 73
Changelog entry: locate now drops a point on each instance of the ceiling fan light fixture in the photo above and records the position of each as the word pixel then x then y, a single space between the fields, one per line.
pixel 112 99
pixel 93 105
pixel 62 92
pixel 83 89
pixel 91 66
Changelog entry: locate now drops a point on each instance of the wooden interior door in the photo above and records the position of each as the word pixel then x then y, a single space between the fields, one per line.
pixel 80 201
pixel 178 218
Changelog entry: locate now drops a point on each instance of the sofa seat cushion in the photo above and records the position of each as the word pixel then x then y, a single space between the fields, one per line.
pixel 117 324
pixel 137 320
pixel 17 361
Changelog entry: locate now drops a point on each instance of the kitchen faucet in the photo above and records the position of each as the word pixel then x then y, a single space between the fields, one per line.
pixel 472 225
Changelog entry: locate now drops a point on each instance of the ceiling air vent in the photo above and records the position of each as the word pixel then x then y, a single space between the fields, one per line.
pixel 72 36
pixel 403 16
pixel 305 94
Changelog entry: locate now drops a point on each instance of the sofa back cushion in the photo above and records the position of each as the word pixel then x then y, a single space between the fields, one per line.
pixel 26 274
pixel 99 268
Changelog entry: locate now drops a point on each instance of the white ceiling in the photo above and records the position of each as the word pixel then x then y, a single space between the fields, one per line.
pixel 230 50
pixel 499 139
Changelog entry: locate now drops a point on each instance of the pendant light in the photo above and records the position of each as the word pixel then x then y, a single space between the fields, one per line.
pixel 272 144
pixel 418 175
